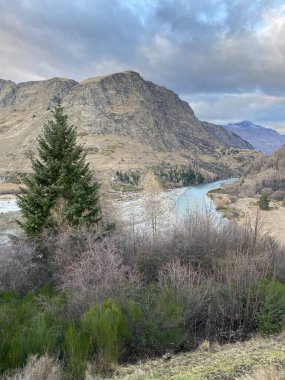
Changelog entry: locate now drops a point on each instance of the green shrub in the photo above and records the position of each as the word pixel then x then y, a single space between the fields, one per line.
pixel 163 321
pixel 171 306
pixel 271 316
pixel 134 311
pixel 108 327
pixel 263 202
pixel 25 328
pixel 76 348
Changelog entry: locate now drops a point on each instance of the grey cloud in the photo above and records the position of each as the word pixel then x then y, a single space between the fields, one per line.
pixel 212 47
pixel 52 37
pixel 238 46
pixel 266 110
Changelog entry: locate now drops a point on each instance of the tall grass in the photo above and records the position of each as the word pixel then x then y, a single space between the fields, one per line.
pixel 39 368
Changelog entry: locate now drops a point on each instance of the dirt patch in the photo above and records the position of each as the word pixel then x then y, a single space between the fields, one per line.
pixel 8 188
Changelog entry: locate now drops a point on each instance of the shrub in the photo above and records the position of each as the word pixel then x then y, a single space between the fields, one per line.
pixel 175 309
pixel 271 316
pixel 192 286
pixel 163 325
pixel 264 202
pixel 98 273
pixel 20 269
pixel 108 328
pixel 238 296
pixel 25 328
pixel 76 348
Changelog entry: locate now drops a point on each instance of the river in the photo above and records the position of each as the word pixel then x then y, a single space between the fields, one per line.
pixel 195 199
pixel 176 203
pixel 9 205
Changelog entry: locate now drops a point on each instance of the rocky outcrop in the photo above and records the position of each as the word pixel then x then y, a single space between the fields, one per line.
pixel 122 119
pixel 33 96
pixel 127 105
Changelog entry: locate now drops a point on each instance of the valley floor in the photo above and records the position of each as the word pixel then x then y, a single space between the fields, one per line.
pixel 246 210
pixel 227 362
pixel 273 220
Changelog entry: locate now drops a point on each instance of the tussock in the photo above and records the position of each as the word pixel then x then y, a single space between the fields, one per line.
pixel 39 368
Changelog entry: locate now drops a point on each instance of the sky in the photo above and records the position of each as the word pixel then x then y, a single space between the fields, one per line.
pixel 225 57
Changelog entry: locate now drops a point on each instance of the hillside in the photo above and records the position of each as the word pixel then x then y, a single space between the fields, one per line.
pixel 266 174
pixel 123 121
pixel 265 140
pixel 228 362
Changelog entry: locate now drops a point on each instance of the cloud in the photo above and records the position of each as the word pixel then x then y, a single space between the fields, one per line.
pixel 231 51
pixel 267 110
pixel 236 48
pixel 49 38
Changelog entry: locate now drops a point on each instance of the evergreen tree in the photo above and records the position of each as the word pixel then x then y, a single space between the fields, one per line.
pixel 60 190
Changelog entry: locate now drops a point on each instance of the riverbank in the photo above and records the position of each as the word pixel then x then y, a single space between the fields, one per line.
pixel 132 211
pixel 172 206
pixel 244 210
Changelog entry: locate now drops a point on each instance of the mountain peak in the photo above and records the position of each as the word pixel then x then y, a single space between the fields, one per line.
pixel 244 124
pixel 262 139
pixel 122 74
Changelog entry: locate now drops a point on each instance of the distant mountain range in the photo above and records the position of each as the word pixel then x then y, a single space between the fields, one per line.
pixel 265 140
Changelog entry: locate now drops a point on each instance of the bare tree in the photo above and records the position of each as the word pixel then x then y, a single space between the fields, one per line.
pixel 98 273
pixel 152 203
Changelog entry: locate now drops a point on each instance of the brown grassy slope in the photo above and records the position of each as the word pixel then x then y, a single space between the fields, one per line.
pixel 266 174
pixel 228 362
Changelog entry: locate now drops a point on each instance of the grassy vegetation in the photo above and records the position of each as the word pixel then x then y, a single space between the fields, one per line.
pixel 227 362
pixel 265 175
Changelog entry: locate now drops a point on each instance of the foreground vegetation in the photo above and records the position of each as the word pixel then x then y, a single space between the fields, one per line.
pixel 82 298
pixel 256 359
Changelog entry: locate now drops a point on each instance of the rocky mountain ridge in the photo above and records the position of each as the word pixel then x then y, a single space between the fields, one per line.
pixel 123 121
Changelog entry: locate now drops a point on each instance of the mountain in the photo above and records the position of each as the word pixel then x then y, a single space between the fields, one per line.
pixel 123 121
pixel 265 140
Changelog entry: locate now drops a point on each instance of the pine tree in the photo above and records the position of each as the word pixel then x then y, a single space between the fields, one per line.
pixel 60 190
